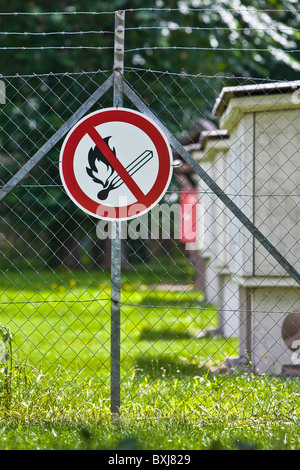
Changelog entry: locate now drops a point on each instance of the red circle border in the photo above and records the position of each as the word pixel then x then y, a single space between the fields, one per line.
pixel 117 115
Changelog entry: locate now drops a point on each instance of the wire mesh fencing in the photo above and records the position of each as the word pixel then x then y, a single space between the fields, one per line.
pixel 203 301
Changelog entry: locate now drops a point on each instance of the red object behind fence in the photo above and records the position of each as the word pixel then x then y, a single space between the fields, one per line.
pixel 189 199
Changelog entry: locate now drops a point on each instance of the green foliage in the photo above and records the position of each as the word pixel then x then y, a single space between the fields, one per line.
pixel 6 362
pixel 214 25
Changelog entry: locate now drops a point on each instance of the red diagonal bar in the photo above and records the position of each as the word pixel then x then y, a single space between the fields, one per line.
pixel 117 165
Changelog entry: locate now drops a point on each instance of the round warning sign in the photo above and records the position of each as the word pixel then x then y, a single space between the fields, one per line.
pixel 115 164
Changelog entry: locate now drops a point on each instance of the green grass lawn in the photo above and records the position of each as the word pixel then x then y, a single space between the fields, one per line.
pixel 175 393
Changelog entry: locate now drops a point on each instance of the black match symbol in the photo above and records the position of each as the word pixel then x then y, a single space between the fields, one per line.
pixel 102 172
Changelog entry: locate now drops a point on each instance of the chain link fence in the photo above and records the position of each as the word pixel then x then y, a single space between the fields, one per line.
pixel 202 300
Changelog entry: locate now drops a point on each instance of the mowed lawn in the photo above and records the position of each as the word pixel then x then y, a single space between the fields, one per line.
pixel 62 320
pixel 175 392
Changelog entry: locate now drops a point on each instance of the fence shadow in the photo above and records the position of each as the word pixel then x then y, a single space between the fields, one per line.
pixel 168 368
pixel 176 299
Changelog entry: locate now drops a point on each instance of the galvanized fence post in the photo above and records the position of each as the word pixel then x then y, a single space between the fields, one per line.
pixel 116 233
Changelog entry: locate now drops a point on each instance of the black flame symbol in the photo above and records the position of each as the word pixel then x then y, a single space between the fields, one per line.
pixel 109 183
pixel 96 155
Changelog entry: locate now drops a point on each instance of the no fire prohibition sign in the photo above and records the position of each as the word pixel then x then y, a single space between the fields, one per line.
pixel 115 164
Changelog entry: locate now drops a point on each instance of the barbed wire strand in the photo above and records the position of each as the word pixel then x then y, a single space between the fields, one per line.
pixel 149 48
pixel 53 33
pixel 221 49
pixel 46 48
pixel 146 28
pixel 132 10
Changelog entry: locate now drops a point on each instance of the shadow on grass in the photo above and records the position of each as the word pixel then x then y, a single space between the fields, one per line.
pixel 166 368
pixel 182 300
pixel 167 334
pixel 26 273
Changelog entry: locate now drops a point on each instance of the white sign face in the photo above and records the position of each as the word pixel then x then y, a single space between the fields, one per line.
pixel 141 158
pixel 116 164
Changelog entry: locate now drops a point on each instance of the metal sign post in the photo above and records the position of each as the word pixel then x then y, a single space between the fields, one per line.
pixel 116 233
pixel 2 92
pixel 150 160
